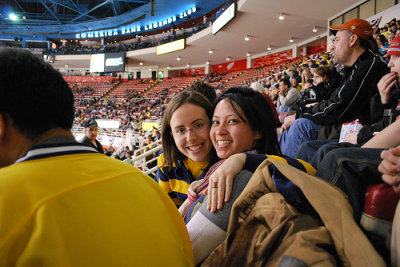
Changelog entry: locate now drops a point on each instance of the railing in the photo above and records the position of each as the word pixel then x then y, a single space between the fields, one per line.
pixel 129 137
pixel 139 160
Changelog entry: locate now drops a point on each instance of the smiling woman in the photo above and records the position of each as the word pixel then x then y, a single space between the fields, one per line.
pixel 243 121
pixel 190 127
pixel 230 132
pixel 187 149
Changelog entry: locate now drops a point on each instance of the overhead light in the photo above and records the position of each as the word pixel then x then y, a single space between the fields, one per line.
pixel 66 66
pixel 315 29
pixel 210 51
pixel 291 39
pixel 178 58
pixel 281 16
pixel 168 67
pixel 246 38
pixel 247 54
pixel 141 63
pixel 188 65
pixel 227 59
pixel 208 62
pixel 23 17
pixel 149 69
pixel 12 17
pixel 269 48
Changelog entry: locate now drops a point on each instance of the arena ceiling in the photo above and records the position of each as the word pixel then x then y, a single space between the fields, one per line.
pixel 44 12
pixel 62 19
pixel 257 19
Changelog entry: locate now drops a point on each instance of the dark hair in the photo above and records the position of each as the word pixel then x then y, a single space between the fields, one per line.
pixel 285 81
pixel 309 81
pixel 205 89
pixel 170 150
pixel 369 44
pixel 33 94
pixel 258 115
pixel 324 71
pixel 382 39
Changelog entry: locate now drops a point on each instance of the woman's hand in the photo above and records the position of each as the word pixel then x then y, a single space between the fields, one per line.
pixel 220 182
pixel 385 85
pixel 390 167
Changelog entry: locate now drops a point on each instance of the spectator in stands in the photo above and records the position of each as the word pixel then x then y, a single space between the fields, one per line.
pixel 273 93
pixel 305 76
pixel 325 78
pixel 295 83
pixel 204 88
pixel 389 96
pixel 187 149
pixel 353 169
pixel 128 157
pixel 313 67
pixel 60 196
pixel 148 141
pixel 154 132
pixel 148 145
pixel 91 131
pixel 243 121
pixel 273 80
pixel 348 101
pixel 287 96
pixel 385 107
pixel 382 44
pixel 122 155
pixel 308 84
pixel 393 27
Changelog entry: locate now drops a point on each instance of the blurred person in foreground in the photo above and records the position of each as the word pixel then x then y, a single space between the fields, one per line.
pixel 62 202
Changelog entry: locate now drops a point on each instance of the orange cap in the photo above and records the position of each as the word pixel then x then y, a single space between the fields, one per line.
pixel 359 27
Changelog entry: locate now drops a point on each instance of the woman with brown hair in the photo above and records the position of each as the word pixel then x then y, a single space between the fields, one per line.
pixel 187 149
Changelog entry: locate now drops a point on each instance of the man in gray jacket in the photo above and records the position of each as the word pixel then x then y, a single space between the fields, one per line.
pixel 287 96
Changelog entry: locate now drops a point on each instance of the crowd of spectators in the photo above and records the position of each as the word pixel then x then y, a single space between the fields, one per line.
pixel 316 98
pixel 302 88
pixel 299 76
pixel 325 92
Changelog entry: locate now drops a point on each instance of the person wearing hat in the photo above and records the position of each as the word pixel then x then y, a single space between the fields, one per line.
pixel 352 48
pixel 91 131
pixel 353 169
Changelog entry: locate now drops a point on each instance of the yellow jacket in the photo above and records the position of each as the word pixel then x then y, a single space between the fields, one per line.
pixel 85 209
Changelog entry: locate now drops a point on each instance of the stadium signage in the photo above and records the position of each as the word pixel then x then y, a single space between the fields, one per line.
pixel 171 47
pixel 133 29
